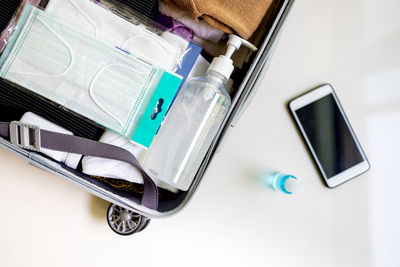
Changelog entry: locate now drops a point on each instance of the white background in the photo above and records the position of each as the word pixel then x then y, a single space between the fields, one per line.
pixel 233 220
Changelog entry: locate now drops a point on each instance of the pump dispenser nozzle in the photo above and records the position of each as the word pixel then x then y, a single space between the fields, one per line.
pixel 224 64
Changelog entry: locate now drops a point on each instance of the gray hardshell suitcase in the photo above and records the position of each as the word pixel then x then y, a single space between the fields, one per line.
pixel 124 207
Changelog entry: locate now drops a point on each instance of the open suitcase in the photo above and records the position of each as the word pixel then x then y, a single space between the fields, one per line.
pixel 124 206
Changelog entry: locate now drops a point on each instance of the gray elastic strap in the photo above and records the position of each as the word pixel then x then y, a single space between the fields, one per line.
pixel 83 146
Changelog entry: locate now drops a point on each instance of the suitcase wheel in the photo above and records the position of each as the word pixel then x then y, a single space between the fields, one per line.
pixel 125 222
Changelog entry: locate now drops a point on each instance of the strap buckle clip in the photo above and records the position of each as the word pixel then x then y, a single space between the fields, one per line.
pixel 26 136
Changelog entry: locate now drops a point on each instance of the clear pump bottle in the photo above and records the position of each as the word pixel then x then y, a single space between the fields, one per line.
pixel 192 123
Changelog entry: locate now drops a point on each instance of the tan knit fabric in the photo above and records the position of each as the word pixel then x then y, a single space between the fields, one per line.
pixel 239 16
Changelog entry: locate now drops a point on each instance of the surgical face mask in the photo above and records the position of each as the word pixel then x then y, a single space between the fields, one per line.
pixel 99 82
pixel 103 25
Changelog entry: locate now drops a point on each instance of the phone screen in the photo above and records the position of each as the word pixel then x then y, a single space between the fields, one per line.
pixel 329 136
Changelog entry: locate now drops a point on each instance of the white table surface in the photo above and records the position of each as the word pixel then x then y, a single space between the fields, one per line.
pixel 232 220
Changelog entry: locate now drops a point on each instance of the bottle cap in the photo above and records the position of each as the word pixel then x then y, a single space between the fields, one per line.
pixel 292 185
pixel 224 64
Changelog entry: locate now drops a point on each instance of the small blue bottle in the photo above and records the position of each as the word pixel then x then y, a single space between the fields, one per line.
pixel 279 181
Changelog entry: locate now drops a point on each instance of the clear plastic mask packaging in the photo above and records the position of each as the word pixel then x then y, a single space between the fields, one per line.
pixel 189 51
pixel 11 13
pixel 123 75
pixel 93 17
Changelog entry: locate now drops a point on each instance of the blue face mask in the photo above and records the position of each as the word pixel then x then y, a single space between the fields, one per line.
pixel 90 78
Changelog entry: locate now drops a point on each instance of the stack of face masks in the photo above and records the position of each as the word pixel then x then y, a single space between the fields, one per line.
pixel 110 29
pixel 159 47
pixel 106 85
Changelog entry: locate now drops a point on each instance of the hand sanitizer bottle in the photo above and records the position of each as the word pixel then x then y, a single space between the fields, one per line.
pixel 192 123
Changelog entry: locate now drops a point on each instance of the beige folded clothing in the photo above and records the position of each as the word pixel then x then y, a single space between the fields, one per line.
pixel 239 16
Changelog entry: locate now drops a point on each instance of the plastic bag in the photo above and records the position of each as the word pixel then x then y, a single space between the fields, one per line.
pixel 8 31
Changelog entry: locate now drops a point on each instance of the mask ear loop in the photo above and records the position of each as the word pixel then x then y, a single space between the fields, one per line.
pixel 97 102
pixel 154 36
pixel 85 15
pixel 71 54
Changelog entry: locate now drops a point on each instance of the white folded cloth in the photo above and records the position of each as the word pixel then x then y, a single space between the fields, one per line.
pixel 69 159
pixel 117 169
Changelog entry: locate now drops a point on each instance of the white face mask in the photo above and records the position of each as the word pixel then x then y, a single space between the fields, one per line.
pixel 96 81
pixel 101 24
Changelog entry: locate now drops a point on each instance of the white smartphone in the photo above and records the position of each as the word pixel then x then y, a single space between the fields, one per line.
pixel 329 136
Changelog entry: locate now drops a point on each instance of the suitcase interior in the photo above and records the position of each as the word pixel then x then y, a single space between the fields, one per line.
pixel 244 86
